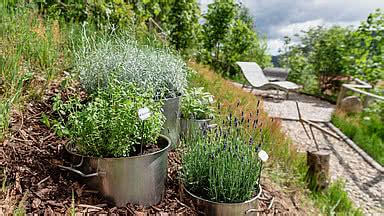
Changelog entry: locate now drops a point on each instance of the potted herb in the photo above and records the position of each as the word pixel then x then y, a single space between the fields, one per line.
pixel 115 143
pixel 221 167
pixel 147 66
pixel 196 109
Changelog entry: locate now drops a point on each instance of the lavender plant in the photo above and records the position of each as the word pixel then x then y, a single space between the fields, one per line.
pixel 109 125
pixel 221 164
pixel 147 66
pixel 197 104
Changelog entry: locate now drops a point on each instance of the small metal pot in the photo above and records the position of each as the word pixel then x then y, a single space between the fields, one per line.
pixel 171 127
pixel 207 207
pixel 137 180
pixel 187 124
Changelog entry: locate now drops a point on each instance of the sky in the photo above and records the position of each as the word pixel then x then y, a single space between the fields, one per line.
pixel 278 18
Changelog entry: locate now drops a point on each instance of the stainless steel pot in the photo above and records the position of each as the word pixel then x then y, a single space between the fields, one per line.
pixel 188 124
pixel 207 207
pixel 137 180
pixel 171 111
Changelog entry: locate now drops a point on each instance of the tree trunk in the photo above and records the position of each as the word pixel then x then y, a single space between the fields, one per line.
pixel 318 169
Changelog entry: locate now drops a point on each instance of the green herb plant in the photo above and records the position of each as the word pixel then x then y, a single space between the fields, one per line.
pixel 109 125
pixel 221 164
pixel 121 55
pixel 197 104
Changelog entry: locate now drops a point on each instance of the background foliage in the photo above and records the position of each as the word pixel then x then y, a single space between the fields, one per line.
pixel 326 55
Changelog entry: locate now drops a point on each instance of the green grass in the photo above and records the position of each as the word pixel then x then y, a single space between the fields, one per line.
pixel 366 130
pixel 33 52
pixel 335 201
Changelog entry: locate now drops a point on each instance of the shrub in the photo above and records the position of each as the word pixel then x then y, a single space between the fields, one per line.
pixel 148 67
pixel 222 164
pixel 197 104
pixel 109 125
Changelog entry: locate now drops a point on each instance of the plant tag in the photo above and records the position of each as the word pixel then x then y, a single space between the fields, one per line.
pixel 144 113
pixel 210 99
pixel 263 155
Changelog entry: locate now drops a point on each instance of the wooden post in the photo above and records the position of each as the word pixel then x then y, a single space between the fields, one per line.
pixel 343 90
pixel 318 169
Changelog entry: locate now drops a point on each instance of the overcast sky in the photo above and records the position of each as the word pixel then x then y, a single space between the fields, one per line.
pixel 279 18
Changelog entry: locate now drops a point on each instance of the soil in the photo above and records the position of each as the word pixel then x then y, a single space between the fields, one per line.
pixel 30 156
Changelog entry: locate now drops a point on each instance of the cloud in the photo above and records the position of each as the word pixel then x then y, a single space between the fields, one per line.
pixel 279 18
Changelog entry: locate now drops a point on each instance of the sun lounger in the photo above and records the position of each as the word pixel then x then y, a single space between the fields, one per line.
pixel 256 78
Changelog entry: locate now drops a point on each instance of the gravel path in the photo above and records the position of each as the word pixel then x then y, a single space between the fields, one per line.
pixel 364 184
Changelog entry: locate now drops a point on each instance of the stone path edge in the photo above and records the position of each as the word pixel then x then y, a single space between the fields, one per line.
pixel 355 147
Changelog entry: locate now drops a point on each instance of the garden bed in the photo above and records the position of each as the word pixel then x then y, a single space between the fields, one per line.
pixel 33 182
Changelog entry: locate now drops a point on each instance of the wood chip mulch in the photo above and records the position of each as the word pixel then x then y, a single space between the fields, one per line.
pixel 30 156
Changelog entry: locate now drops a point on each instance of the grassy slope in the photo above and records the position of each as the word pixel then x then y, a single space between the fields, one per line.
pixel 287 168
pixel 365 133
pixel 33 53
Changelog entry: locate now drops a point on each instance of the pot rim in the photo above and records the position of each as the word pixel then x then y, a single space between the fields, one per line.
pixel 223 203
pixel 198 120
pixel 131 157
pixel 172 98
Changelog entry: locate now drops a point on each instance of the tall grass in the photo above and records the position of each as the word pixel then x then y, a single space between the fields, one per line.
pixel 366 129
pixel 33 52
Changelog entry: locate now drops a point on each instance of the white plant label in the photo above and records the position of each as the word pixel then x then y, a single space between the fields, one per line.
pixel 210 99
pixel 144 113
pixel 263 155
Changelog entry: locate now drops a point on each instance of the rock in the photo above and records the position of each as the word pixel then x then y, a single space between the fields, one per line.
pixel 351 104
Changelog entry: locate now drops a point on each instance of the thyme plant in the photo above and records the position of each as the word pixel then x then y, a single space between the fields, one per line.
pixel 221 164
pixel 109 125
pixel 147 66
pixel 197 104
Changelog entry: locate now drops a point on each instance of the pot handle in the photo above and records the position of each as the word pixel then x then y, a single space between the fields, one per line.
pixel 251 210
pixel 79 172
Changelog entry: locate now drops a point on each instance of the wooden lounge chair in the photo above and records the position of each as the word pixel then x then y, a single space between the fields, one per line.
pixel 256 78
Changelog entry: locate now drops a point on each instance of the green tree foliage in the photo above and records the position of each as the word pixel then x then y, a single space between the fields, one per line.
pixel 183 24
pixel 219 19
pixel 228 36
pixel 331 53
pixel 327 50
pixel 367 54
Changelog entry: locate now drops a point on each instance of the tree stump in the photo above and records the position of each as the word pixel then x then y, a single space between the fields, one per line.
pixel 318 169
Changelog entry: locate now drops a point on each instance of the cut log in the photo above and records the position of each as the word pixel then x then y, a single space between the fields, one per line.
pixel 318 169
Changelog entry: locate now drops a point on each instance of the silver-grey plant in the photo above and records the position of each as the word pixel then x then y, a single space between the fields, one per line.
pixel 121 55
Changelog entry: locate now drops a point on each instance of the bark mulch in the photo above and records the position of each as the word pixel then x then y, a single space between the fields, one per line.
pixel 30 157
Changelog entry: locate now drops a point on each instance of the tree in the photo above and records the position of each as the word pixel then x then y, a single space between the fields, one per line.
pixel 229 37
pixel 183 24
pixel 218 21
pixel 367 55
pixel 327 55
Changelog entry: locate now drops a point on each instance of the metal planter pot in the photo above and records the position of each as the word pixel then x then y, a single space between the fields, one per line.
pixel 207 207
pixel 137 180
pixel 171 111
pixel 188 124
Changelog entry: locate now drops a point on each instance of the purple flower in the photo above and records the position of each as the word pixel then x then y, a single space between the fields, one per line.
pixel 250 141
pixel 225 146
